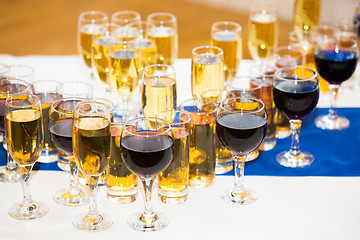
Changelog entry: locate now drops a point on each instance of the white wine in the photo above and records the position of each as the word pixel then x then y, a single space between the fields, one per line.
pixel 263 35
pixel 147 48
pixel 158 94
pixel 207 73
pixel 166 39
pixel 231 44
pixel 24 135
pixel 306 15
pixel 125 71
pixel 101 66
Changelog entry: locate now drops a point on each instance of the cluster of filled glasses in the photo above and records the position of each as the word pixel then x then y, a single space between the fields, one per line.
pixel 230 118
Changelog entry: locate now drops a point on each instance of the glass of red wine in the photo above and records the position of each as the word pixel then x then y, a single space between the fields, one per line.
pixel 296 94
pixel 147 148
pixel 336 61
pixel 241 125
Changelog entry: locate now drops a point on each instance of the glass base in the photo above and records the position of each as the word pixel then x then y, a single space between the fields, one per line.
pixel 326 122
pixel 23 211
pixel 48 156
pixel 64 197
pixel 288 160
pixel 268 144
pixel 243 198
pixel 10 176
pixel 253 155
pixel 173 197
pixel 222 167
pixel 137 222
pixel 280 134
pixel 93 223
pixel 201 181
pixel 123 198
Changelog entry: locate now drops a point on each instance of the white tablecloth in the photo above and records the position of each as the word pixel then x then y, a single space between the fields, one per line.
pixel 287 208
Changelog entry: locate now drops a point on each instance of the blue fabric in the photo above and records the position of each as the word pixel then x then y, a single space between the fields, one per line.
pixel 337 153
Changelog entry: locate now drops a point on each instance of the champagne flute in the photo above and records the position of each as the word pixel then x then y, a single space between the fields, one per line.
pixel 241 126
pixel 24 137
pixel 263 32
pixel 296 94
pixel 165 34
pixel 90 24
pixel 9 87
pixel 306 15
pixel 336 62
pixel 60 129
pixel 147 149
pixel 91 144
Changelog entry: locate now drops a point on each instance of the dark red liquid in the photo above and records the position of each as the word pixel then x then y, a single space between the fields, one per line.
pixel 335 67
pixel 147 156
pixel 61 135
pixel 296 99
pixel 240 133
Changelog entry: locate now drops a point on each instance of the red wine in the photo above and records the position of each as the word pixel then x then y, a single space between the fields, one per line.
pixel 61 135
pixel 296 99
pixel 335 66
pixel 147 156
pixel 241 133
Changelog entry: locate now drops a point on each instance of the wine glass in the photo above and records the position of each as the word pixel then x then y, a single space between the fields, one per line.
pixel 91 145
pixel 21 71
pixel 336 62
pixel 9 87
pixel 90 24
pixel 165 34
pixel 241 126
pixel 60 129
pixel 147 148
pixel 296 94
pixel 24 137
pixel 263 32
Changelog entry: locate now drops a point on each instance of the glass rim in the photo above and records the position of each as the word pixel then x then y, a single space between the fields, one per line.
pixel 127 123
pixel 115 111
pixel 220 51
pixel 244 97
pixel 26 84
pixel 29 73
pixel 135 13
pixel 177 111
pixel 88 101
pixel 103 15
pixel 227 23
pixel 77 82
pixel 172 17
pixel 278 72
pixel 11 98
pixel 172 70
pixel 230 80
pixel 265 8
pixel 194 100
pixel 52 108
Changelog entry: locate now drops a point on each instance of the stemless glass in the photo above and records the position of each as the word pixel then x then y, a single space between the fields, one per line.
pixel 147 148
pixel 24 137
pixel 241 126
pixel 91 144
pixel 263 32
pixel 9 87
pixel 165 34
pixel 158 92
pixel 60 129
pixel 90 24
pixel 207 70
pixel 296 94
pixel 227 36
pixel 336 62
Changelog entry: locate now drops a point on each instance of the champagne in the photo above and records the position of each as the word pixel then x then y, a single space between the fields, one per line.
pixel 24 135
pixel 86 35
pixel 263 35
pixel 125 67
pixel 101 47
pixel 147 48
pixel 166 39
pixel 158 94
pixel 306 15
pixel 207 73
pixel 91 142
pixel 231 45
pixel 175 177
pixel 119 177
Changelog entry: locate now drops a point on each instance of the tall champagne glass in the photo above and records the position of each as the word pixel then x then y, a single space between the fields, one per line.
pixel 24 137
pixel 91 143
pixel 306 15
pixel 147 149
pixel 336 62
pixel 60 129
pixel 263 32
pixel 165 34
pixel 90 24
pixel 9 87
pixel 296 94
pixel 241 126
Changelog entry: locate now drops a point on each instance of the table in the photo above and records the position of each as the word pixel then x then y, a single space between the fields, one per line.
pixel 307 207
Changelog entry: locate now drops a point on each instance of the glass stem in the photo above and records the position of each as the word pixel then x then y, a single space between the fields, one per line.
pixel 74 189
pixel 295 133
pixel 25 184
pixel 10 163
pixel 333 100
pixel 239 167
pixel 148 215
pixel 93 184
